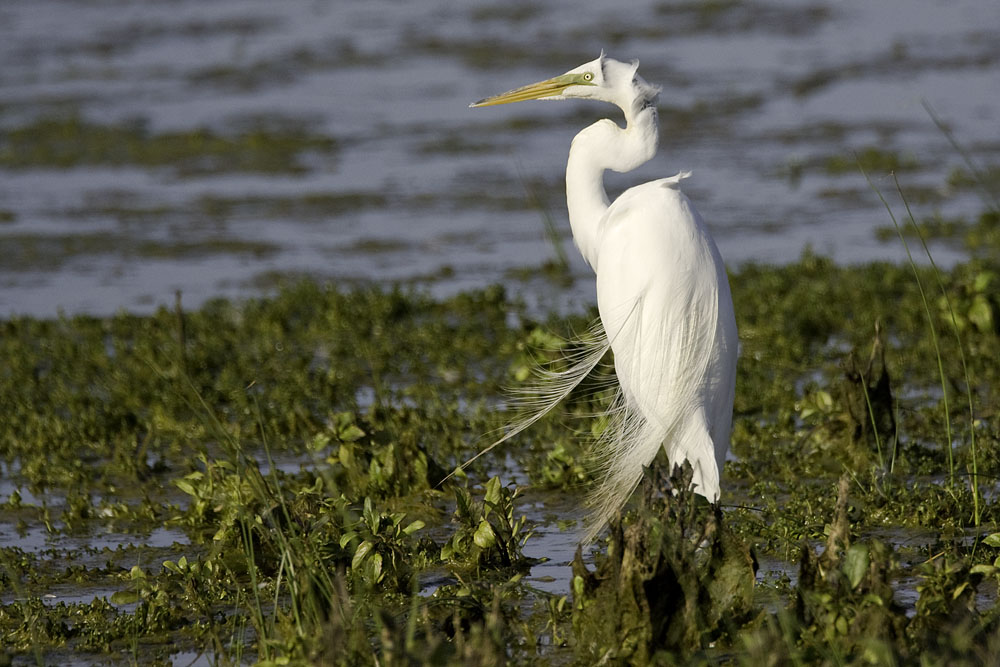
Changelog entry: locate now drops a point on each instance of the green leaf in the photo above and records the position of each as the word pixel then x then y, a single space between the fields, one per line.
pixel 541 337
pixel 856 562
pixel 414 527
pixel 359 556
pixel 492 491
pixel 959 590
pixel 376 568
pixel 992 540
pixel 171 565
pixel 982 281
pixel 186 486
pixel 319 442
pixel 981 313
pixel 347 537
pixel 345 454
pixel 484 537
pixel 124 597
pixel 461 501
pixel 351 434
pixel 371 519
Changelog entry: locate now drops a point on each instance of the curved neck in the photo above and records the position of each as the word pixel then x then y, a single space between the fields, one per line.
pixel 596 148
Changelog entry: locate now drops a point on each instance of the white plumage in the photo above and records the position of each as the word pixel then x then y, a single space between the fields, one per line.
pixel 662 293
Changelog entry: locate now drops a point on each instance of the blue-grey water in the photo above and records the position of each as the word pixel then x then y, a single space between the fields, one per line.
pixel 757 99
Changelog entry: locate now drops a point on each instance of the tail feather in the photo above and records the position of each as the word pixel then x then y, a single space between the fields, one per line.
pixel 552 387
pixel 630 441
pixel 628 444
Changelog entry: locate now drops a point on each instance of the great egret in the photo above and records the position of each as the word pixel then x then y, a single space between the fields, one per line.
pixel 662 294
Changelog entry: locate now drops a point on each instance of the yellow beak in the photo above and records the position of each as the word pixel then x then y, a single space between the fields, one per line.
pixel 534 91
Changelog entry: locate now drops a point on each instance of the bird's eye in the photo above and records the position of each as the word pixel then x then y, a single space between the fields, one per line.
pixel 588 76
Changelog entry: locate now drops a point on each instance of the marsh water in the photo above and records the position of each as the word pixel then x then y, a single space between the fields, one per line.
pixel 767 104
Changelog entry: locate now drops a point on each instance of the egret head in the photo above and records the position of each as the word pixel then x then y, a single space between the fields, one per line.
pixel 601 79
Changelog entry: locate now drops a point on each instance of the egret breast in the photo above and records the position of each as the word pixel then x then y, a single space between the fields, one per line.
pixel 658 289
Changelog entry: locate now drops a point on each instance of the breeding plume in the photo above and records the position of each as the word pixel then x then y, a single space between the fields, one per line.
pixel 662 293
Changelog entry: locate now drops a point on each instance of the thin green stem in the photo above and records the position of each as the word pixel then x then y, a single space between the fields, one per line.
pixel 961 353
pixel 977 174
pixel 930 324
pixel 871 416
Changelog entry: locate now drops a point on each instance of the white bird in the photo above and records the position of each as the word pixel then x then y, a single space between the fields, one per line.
pixel 662 294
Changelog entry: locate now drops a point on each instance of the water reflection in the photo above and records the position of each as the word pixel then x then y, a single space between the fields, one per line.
pixel 758 99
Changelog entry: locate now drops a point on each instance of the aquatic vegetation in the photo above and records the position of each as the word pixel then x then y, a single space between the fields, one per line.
pixel 72 141
pixel 292 452
pixel 871 159
pixel 980 237
pixel 674 580
pixel 846 611
pixel 489 536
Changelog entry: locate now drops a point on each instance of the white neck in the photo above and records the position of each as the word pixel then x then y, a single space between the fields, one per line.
pixel 596 148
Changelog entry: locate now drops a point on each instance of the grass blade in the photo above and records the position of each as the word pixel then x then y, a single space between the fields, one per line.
pixel 961 351
pixel 930 324
pixel 977 174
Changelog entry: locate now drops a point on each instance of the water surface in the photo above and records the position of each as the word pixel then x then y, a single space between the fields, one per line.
pixel 758 99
